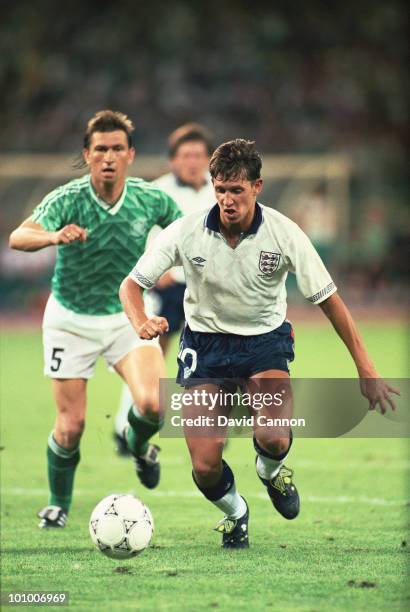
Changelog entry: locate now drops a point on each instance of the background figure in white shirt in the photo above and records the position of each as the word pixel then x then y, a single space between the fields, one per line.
pixel 189 184
pixel 236 258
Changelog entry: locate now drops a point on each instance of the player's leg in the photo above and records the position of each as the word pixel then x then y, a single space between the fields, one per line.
pixel 272 439
pixel 204 356
pixel 121 421
pixel 63 450
pixel 212 474
pixel 166 303
pixel 272 442
pixel 268 375
pixel 69 359
pixel 141 369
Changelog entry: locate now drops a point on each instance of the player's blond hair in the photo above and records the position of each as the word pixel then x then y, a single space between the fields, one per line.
pixel 108 121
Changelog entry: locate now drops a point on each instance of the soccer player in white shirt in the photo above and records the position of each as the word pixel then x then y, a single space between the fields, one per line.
pixel 236 259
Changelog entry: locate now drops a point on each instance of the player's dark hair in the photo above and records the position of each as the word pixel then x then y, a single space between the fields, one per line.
pixel 236 159
pixel 108 121
pixel 189 132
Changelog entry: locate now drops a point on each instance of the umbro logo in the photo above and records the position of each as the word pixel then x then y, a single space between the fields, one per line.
pixel 198 261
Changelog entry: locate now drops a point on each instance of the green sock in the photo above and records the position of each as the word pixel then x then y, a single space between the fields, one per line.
pixel 62 463
pixel 140 431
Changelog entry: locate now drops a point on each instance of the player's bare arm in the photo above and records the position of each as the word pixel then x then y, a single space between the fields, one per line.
pixel 374 388
pixel 131 296
pixel 31 236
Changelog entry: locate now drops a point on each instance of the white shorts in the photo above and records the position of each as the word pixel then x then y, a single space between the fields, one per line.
pixel 72 342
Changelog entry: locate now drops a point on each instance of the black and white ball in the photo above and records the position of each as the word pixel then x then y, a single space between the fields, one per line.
pixel 121 526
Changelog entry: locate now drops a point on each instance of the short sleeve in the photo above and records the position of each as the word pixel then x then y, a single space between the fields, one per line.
pixel 169 210
pixel 313 279
pixel 50 212
pixel 162 254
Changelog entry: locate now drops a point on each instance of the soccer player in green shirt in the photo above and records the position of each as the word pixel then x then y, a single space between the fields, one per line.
pixel 99 224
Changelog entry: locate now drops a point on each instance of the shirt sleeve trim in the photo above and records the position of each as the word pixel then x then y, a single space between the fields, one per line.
pixel 323 293
pixel 140 279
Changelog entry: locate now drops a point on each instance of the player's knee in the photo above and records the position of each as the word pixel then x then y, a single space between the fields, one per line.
pixel 206 470
pixel 68 433
pixel 149 407
pixel 273 444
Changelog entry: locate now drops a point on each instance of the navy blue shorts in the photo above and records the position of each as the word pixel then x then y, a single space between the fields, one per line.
pixel 218 358
pixel 171 305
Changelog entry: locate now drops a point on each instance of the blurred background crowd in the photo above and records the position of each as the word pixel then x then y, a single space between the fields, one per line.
pixel 305 80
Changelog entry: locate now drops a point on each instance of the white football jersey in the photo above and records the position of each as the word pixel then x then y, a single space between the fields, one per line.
pixel 188 199
pixel 236 290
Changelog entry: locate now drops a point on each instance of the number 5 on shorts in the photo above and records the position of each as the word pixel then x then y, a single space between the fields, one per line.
pixel 55 359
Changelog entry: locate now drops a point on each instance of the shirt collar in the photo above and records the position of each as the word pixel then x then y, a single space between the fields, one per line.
pixel 111 209
pixel 212 219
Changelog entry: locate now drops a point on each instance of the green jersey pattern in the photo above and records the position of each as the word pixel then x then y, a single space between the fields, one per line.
pixel 87 275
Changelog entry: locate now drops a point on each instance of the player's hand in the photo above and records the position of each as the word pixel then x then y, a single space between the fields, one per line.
pixel 70 233
pixel 378 392
pixel 166 280
pixel 153 327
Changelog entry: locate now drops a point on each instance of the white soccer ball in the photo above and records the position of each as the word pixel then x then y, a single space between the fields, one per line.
pixel 121 526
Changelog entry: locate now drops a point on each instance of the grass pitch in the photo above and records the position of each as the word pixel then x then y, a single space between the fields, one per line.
pixel 348 550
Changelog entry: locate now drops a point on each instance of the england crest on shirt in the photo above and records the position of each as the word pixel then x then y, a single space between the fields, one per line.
pixel 268 262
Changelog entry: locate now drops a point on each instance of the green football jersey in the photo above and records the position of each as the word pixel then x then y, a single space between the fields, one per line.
pixel 87 275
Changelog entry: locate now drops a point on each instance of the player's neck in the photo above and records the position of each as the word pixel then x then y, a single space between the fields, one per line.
pixel 232 232
pixel 233 239
pixel 195 185
pixel 110 192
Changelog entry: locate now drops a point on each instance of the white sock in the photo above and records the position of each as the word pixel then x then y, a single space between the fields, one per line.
pixel 231 504
pixel 121 418
pixel 267 468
